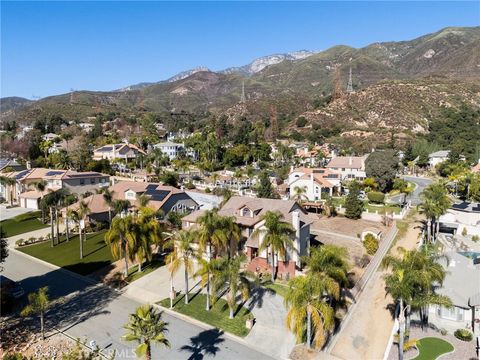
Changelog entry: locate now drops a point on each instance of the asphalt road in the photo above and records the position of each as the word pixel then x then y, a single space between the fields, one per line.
pixel 421 184
pixel 96 312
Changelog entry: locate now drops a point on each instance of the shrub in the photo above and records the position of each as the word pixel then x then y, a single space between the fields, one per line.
pixel 370 243
pixel 189 185
pixel 20 242
pixel 376 197
pixel 463 334
pixel 443 332
pixel 32 240
pixel 475 238
pixel 464 232
pixel 301 122
pixel 208 191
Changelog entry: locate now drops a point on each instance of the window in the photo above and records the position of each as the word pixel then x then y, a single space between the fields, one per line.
pixel 245 211
pixel 82 181
pixel 92 181
pixel 454 313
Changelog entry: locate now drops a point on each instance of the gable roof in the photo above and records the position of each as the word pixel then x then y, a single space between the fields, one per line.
pixel 348 162
pixel 439 154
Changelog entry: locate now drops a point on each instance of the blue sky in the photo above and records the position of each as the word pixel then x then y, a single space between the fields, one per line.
pixel 49 47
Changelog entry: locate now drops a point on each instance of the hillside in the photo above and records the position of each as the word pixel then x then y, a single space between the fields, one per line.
pixel 388 79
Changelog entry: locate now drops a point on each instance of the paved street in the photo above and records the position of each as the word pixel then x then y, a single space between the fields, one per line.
pixel 8 213
pixel 421 184
pixel 97 312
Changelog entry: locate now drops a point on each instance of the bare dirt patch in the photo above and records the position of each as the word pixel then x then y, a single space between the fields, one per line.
pixel 345 226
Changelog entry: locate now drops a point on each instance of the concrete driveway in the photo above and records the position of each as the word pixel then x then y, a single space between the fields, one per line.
pixel 12 212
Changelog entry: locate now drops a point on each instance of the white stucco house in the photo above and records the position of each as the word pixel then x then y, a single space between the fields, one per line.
pixel 351 167
pixel 315 182
pixel 462 286
pixel 438 157
pixel 463 215
pixel 174 150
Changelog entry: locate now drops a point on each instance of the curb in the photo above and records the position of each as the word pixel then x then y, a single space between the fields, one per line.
pixel 205 326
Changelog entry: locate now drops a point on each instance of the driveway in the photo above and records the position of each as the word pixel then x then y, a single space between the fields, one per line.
pixel 12 212
pixel 93 311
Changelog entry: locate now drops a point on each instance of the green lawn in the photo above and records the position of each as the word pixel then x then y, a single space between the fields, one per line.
pixel 278 288
pixel 388 208
pixel 67 254
pixel 23 223
pixel 431 348
pixel 217 316
pixel 133 274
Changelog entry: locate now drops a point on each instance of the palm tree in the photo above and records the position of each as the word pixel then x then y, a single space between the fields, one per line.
pixel 38 305
pixel 182 253
pixel 108 198
pixel 304 300
pixel 120 206
pixel 229 234
pixel 75 217
pixel 300 193
pixel 331 261
pixel 145 327
pixel 205 269
pixel 435 202
pixel 209 234
pixel 121 239
pixel 40 186
pixel 49 201
pixel 148 233
pixel 227 271
pixel 276 236
pixel 8 182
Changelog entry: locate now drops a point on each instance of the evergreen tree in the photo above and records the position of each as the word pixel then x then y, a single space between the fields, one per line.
pixel 265 189
pixel 353 205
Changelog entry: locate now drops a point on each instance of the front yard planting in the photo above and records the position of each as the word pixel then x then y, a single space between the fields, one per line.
pixel 23 223
pixel 67 254
pixel 217 316
pixel 279 289
pixel 430 348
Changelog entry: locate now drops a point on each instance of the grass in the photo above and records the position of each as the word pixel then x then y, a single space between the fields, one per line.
pixel 278 288
pixel 217 316
pixel 387 208
pixel 133 274
pixel 23 223
pixel 430 348
pixel 67 254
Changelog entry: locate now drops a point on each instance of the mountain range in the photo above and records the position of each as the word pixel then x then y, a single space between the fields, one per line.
pixel 396 85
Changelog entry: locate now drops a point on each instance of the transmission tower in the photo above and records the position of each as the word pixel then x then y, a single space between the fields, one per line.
pixel 242 98
pixel 350 84
pixel 72 96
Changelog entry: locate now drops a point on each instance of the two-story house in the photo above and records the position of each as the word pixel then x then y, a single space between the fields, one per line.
pixel 314 182
pixel 74 182
pixel 248 214
pixel 351 167
pixel 174 150
pixel 123 151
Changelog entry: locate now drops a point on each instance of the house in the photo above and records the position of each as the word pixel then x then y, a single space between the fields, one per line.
pixel 463 216
pixel 123 151
pixel 476 168
pixel 248 213
pixel 438 157
pixel 164 198
pixel 462 286
pixel 74 182
pixel 315 181
pixel 174 150
pixel 350 167
pixel 50 137
pixel 311 156
pixel 6 164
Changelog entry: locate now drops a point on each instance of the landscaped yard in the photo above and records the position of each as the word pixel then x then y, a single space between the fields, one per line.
pixel 23 223
pixel 67 254
pixel 431 348
pixel 278 288
pixel 217 316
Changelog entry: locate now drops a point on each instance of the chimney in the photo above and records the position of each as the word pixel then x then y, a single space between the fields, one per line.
pixel 28 165
pixel 296 222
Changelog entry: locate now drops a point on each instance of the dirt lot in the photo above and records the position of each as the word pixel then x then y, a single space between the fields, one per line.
pixel 342 225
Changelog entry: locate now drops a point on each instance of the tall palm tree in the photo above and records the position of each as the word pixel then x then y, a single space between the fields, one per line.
pixel 182 253
pixel 121 239
pixel 227 271
pixel 121 206
pixel 305 302
pixel 49 201
pixel 41 186
pixel 434 203
pixel 331 261
pixel 107 195
pixel 210 236
pixel 205 269
pixel 229 235
pixel 149 233
pixel 275 235
pixel 145 327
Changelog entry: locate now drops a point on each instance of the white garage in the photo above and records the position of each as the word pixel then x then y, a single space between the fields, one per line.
pixel 30 199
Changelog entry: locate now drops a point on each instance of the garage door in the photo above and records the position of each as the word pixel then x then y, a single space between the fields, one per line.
pixel 32 204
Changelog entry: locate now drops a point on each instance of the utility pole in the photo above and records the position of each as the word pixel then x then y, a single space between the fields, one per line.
pixel 242 98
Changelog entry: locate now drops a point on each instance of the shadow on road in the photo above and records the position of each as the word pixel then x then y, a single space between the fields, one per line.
pixel 204 344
